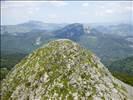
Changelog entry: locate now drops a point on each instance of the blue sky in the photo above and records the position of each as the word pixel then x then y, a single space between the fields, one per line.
pixel 14 12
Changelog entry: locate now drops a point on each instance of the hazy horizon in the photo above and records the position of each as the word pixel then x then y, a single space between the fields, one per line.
pixel 16 12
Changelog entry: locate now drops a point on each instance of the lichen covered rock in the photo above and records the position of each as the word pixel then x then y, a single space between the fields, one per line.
pixel 61 70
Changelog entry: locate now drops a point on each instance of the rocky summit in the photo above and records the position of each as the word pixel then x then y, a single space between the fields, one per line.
pixel 61 70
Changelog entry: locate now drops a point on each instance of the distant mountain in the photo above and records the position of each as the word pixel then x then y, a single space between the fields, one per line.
pixel 105 42
pixel 42 26
pixel 29 26
pixel 108 47
pixel 62 70
pixel 120 29
pixel 72 31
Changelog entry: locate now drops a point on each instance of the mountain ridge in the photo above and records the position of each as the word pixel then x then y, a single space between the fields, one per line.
pixel 61 70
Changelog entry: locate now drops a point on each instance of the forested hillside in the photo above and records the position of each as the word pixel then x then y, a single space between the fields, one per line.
pixel 123 69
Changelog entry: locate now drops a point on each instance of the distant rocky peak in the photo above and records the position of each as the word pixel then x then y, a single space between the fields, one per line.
pixel 87 29
pixel 71 31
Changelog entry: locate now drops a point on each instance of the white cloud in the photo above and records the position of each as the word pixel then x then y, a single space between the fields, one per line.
pixel 58 3
pixel 37 9
pixel 103 7
pixel 109 11
pixel 30 12
pixel 3 7
pixel 63 11
pixel 34 8
pixel 20 4
pixel 85 4
pixel 129 8
pixel 99 14
pixel 52 16
pixel 116 7
pixel 105 12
